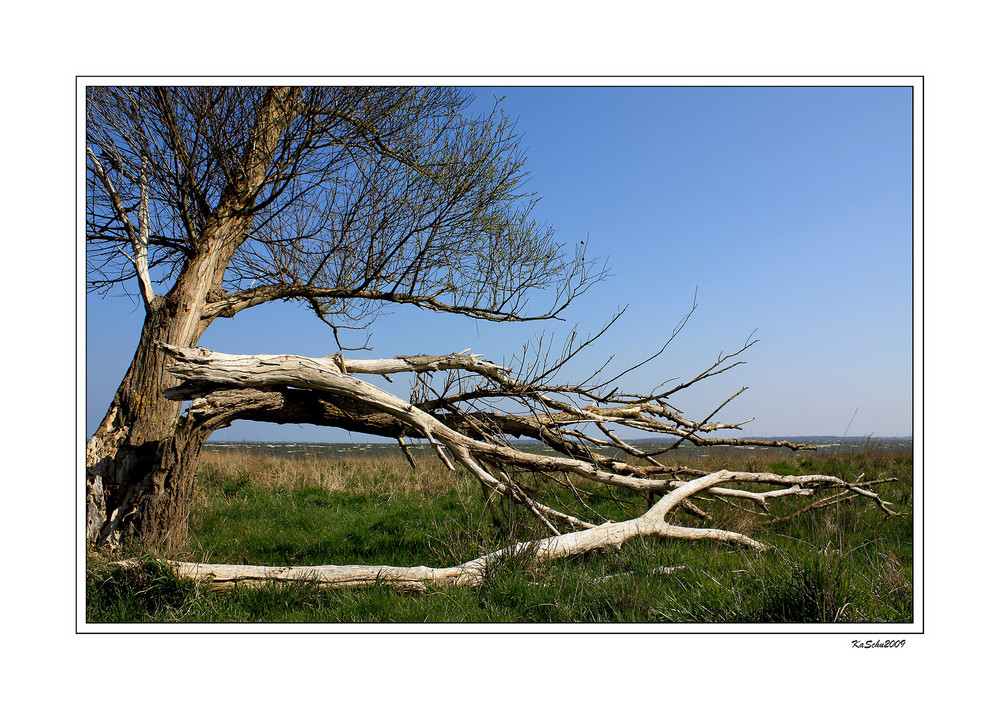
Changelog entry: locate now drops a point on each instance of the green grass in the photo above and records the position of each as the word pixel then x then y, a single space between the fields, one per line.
pixel 845 563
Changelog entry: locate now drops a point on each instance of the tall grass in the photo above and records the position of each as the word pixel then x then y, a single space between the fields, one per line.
pixel 844 563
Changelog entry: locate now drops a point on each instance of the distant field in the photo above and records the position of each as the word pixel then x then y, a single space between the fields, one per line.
pixel 823 446
pixel 314 504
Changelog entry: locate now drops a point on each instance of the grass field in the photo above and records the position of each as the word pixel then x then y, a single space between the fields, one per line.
pixel 844 563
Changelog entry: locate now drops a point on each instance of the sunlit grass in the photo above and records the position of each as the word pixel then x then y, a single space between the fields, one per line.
pixel 845 563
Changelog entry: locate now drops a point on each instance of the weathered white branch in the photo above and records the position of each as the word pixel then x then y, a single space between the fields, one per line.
pixel 223 576
pixel 202 370
pixel 422 363
pixel 140 240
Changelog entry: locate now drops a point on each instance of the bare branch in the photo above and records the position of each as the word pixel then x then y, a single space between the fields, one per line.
pixel 140 239
pixel 202 371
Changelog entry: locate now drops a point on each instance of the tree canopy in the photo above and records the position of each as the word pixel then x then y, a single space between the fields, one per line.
pixel 346 198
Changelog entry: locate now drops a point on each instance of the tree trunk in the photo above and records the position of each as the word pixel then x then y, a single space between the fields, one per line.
pixel 128 485
pixel 141 460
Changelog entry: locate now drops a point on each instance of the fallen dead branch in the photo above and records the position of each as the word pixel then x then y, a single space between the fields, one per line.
pixel 477 443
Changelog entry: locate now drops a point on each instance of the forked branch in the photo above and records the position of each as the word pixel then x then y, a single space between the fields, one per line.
pixel 462 437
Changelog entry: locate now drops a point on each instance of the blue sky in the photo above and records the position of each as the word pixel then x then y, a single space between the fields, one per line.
pixel 787 209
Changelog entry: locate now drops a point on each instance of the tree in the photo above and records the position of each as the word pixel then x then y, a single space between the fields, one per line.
pixel 211 200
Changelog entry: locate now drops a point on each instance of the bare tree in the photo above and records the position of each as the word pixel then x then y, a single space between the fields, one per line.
pixel 206 201
pixel 209 201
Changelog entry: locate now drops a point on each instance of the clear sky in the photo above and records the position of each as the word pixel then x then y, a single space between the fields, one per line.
pixel 789 210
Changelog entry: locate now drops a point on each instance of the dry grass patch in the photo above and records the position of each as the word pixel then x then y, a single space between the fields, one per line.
pixel 383 476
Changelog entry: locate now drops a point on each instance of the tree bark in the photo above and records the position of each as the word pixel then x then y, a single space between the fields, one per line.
pixel 138 481
pixel 141 460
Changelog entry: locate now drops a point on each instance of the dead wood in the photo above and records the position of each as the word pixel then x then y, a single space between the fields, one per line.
pixel 478 444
